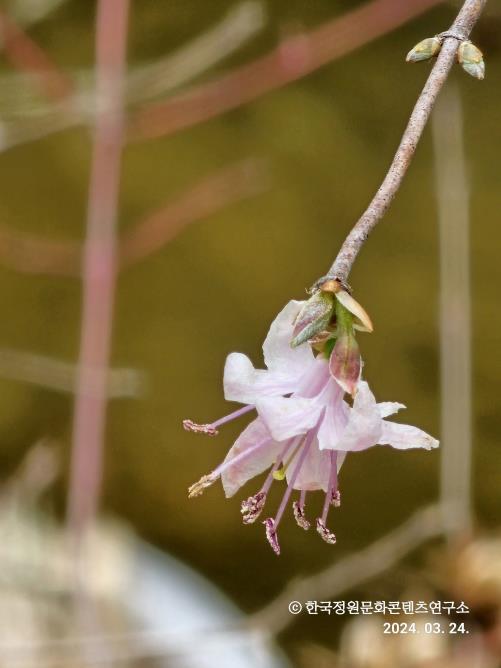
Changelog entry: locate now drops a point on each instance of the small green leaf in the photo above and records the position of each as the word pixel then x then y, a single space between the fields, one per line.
pixel 313 318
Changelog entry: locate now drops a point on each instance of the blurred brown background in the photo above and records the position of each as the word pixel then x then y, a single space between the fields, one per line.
pixel 323 144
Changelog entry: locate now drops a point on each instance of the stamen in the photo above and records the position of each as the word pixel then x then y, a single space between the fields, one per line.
pixel 271 535
pixel 211 429
pixel 332 486
pixel 272 524
pixel 336 498
pixel 233 416
pixel 252 507
pixel 324 532
pixel 208 429
pixel 332 497
pixel 307 444
pixel 205 481
pixel 298 508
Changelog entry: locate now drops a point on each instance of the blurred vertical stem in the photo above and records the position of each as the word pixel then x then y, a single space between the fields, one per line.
pixel 99 268
pixel 455 311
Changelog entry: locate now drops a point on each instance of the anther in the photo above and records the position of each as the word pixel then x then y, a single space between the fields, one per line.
pixel 271 535
pixel 251 508
pixel 205 481
pixel 324 532
pixel 299 515
pixel 336 498
pixel 208 429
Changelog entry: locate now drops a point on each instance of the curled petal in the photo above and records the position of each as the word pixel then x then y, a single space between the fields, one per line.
pixel 244 383
pixel 279 357
pixel 387 408
pixel 364 426
pixel 405 436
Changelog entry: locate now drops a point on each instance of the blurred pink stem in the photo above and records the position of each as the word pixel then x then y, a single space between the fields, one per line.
pixel 26 56
pixel 99 268
pixel 293 58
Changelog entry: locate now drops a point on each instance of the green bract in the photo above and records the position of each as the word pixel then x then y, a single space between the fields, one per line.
pixel 313 318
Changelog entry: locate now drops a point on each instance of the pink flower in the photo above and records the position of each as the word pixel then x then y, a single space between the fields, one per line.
pixel 303 428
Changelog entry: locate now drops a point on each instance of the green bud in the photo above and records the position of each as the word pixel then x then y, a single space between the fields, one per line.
pixel 362 321
pixel 313 318
pixel 345 362
pixel 424 50
pixel 471 59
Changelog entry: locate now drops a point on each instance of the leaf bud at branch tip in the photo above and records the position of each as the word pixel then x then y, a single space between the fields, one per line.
pixel 424 50
pixel 471 59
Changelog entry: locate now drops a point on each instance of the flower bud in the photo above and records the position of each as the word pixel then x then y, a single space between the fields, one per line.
pixel 424 50
pixel 345 362
pixel 471 59
pixel 313 318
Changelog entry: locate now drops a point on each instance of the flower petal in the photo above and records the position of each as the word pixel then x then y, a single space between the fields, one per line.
pixel 405 436
pixel 235 476
pixel 364 426
pixel 288 417
pixel 315 471
pixel 335 418
pixel 279 356
pixel 387 408
pixel 243 383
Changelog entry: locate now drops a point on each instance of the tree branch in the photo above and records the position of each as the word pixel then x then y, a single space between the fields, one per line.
pixel 340 269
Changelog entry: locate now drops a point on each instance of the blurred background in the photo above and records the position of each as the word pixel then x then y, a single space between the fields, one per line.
pixel 254 134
